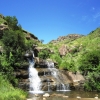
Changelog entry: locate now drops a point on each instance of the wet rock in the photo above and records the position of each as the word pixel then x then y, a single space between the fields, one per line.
pixel 44 98
pixel 76 80
pixel 65 96
pixel 28 54
pixel 46 95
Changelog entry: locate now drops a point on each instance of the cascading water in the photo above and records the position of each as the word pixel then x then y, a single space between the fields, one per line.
pixel 51 74
pixel 35 81
pixel 55 73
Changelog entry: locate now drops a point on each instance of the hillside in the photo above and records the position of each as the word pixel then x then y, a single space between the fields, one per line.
pixel 14 42
pixel 75 46
pixel 74 52
pixel 79 54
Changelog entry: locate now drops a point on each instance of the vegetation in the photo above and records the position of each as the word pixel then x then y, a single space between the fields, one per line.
pixel 43 54
pixel 8 92
pixel 83 55
pixel 1 19
pixel 14 46
pixel 90 67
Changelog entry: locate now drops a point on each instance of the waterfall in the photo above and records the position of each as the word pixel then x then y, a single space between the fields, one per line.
pixel 34 79
pixel 56 73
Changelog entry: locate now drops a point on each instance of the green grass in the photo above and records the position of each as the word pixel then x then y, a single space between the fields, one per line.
pixel 2 20
pixel 8 92
pixel 86 43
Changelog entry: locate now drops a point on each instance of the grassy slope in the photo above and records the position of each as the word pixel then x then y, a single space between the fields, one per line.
pixel 8 92
pixel 86 43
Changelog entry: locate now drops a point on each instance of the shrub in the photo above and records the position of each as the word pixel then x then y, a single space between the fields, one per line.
pixel 90 66
pixel 43 54
pixel 12 22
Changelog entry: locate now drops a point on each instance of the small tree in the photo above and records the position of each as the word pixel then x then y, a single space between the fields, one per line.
pixel 12 22
pixel 90 66
pixel 44 54
pixel 42 41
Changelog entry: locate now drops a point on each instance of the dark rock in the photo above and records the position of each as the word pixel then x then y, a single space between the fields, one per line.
pixel 29 54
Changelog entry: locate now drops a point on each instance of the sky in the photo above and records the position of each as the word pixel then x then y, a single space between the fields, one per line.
pixel 49 19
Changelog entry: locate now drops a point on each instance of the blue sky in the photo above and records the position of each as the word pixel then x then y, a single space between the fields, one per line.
pixel 49 19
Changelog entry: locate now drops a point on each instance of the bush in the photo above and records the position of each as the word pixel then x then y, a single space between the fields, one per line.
pixel 14 46
pixel 90 61
pixel 90 66
pixel 43 54
pixel 93 82
pixel 12 22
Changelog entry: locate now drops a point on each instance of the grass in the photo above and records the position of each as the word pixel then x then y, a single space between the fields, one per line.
pixel 8 92
pixel 2 20
pixel 83 44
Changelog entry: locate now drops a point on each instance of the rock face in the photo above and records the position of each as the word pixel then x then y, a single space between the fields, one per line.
pixel 63 50
pixel 50 76
pixel 30 36
pixel 70 36
pixel 2 28
pixel 76 80
pixel 22 75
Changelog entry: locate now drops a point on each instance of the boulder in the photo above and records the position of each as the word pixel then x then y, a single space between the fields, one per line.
pixel 2 28
pixel 63 50
pixel 46 95
pixel 76 80
pixel 29 54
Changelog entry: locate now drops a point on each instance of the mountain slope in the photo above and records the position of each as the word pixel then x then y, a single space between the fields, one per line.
pixel 79 54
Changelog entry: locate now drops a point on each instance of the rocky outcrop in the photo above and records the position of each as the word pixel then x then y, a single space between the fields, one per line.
pixel 39 49
pixel 63 50
pixel 2 28
pixel 45 72
pixel 68 37
pixel 76 80
pixel 30 36
pixel 22 75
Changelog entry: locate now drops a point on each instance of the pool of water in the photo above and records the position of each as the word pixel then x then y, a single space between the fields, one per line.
pixel 83 94
pixel 60 95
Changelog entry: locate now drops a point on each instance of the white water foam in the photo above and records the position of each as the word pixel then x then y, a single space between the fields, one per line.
pixel 35 81
pixel 55 73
